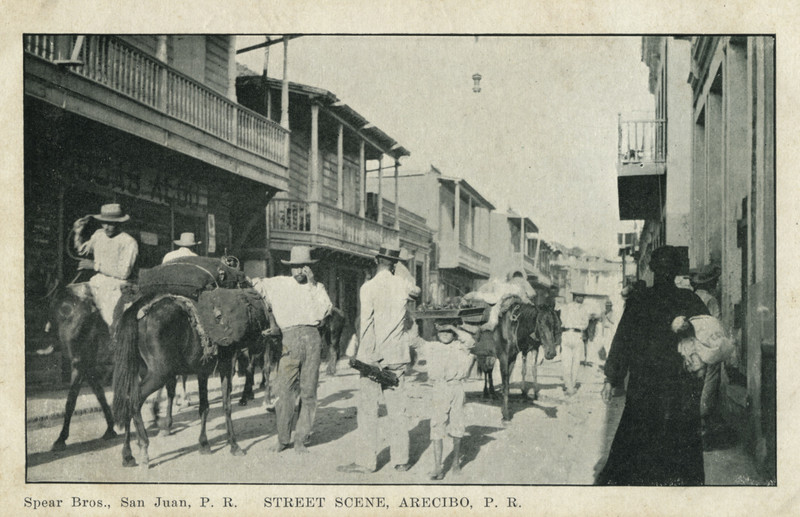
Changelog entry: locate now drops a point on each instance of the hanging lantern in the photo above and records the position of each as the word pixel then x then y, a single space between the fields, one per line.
pixel 477 86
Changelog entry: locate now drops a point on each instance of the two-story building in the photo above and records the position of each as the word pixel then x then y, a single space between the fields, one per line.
pixel 325 204
pixel 709 185
pixel 150 122
pixel 517 246
pixel 460 219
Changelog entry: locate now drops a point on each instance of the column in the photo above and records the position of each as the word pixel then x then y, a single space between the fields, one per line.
pixel 340 168
pixel 470 223
pixel 396 195
pixel 285 87
pixel 380 189
pixel 315 190
pixel 232 68
pixel 161 49
pixel 362 210
pixel 457 215
pixel 522 237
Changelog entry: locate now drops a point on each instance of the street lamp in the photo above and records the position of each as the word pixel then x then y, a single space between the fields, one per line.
pixel 477 87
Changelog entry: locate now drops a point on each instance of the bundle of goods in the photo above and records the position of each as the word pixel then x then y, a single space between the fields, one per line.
pixel 190 276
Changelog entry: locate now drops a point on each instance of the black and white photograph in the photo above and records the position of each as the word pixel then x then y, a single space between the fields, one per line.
pixel 410 265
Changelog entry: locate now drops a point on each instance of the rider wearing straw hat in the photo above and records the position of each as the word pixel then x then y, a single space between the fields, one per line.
pixel 185 242
pixel 299 304
pixel 114 253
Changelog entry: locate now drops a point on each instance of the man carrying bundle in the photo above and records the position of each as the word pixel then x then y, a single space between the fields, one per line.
pixel 299 304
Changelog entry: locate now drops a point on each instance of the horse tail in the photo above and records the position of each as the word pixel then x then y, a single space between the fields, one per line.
pixel 126 367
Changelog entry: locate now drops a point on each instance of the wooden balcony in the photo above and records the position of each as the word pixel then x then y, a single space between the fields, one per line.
pixel 452 255
pixel 117 84
pixel 294 222
pixel 641 167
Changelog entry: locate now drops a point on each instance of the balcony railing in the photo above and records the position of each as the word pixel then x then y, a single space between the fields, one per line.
pixel 113 63
pixel 642 141
pixel 321 220
pixel 472 258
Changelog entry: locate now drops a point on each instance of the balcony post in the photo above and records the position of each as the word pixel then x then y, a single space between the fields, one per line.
pixel 396 195
pixel 470 223
pixel 285 86
pixel 457 215
pixel 313 161
pixel 314 211
pixel 161 55
pixel 340 168
pixel 362 209
pixel 232 68
pixel 522 236
pixel 380 190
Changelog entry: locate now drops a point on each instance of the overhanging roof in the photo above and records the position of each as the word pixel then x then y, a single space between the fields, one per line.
pixel 466 186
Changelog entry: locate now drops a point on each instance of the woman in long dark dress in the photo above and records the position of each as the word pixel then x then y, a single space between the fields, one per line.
pixel 658 440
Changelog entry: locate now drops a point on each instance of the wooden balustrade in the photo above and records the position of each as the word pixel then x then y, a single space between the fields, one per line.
pixel 642 141
pixel 127 70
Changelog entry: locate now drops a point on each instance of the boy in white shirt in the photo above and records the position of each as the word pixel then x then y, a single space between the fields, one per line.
pixel 449 363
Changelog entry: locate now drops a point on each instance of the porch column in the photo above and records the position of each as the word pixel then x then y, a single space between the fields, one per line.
pixel 380 189
pixel 522 247
pixel 457 214
pixel 161 55
pixel 313 161
pixel 161 49
pixel 396 195
pixel 340 169
pixel 362 209
pixel 470 222
pixel 285 87
pixel 232 68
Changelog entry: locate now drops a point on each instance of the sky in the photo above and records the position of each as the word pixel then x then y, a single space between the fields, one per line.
pixel 540 137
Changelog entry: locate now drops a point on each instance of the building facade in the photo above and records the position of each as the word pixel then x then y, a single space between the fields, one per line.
pixel 459 217
pixel 150 122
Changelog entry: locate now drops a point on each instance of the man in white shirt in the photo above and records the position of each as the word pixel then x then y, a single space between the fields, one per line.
pixel 299 304
pixel 114 253
pixel 185 244
pixel 574 320
pixel 383 342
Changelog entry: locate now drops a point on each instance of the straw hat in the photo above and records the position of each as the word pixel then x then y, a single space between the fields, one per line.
pixel 187 239
pixel 111 213
pixel 708 273
pixel 389 251
pixel 300 256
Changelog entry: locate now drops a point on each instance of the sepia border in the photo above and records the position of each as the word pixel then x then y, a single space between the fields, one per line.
pixel 779 17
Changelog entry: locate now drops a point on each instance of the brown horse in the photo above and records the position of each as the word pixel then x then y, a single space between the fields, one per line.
pixel 156 340
pixel 524 328
pixel 83 336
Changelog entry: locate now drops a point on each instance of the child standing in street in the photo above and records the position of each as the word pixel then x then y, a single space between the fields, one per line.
pixel 449 363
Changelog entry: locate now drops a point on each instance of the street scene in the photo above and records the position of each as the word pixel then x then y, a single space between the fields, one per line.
pixel 477 260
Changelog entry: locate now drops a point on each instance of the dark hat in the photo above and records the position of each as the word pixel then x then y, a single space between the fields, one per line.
pixel 300 256
pixel 707 273
pixel 666 258
pixel 111 213
pixel 389 251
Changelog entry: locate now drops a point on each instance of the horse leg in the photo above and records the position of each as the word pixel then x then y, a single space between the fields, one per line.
pixel 94 383
pixel 524 380
pixel 171 385
pixel 76 378
pixel 149 385
pixel 332 357
pixel 202 388
pixel 127 457
pixel 226 363
pixel 504 377
pixel 534 367
pixel 249 379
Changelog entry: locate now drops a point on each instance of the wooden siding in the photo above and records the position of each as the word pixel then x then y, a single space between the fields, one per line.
pixel 216 73
pixel 147 43
pixel 298 167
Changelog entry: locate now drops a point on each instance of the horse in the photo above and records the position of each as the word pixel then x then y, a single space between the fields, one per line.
pixel 83 336
pixel 331 333
pixel 524 328
pixel 157 340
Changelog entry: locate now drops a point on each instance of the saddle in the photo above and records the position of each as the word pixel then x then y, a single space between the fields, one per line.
pixel 190 276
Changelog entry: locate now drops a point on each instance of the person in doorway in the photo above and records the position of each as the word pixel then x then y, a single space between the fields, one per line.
pixel 383 342
pixel 704 283
pixel 658 439
pixel 185 245
pixel 574 322
pixel 299 305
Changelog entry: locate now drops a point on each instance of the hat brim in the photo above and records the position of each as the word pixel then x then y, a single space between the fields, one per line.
pixel 388 257
pixel 305 263
pixel 179 243
pixel 704 279
pixel 107 219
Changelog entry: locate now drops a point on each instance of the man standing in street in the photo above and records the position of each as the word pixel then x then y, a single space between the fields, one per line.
pixel 383 343
pixel 299 304
pixel 704 284
pixel 574 320
pixel 185 244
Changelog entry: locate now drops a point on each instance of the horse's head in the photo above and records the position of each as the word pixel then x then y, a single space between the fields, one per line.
pixel 71 309
pixel 548 330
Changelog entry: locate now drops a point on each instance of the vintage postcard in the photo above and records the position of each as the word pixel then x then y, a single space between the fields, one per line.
pixel 500 259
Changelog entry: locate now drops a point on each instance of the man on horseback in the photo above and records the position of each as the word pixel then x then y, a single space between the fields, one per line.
pixel 299 304
pixel 515 285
